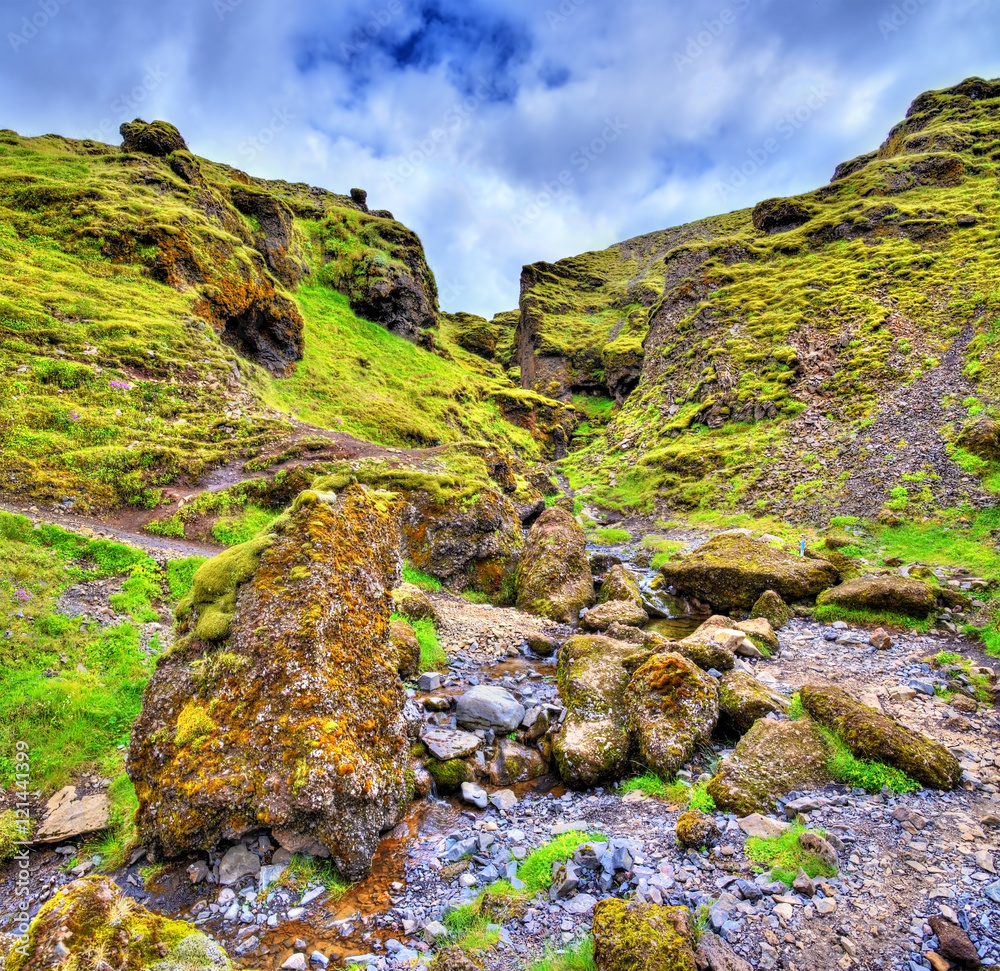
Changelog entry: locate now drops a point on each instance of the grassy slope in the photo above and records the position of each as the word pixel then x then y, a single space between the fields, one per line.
pixel 85 233
pixel 877 311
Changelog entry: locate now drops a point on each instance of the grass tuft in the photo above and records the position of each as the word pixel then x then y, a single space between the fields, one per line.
pixel 784 856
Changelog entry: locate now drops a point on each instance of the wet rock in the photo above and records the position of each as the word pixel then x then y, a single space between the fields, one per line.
pixel 895 594
pixel 302 642
pixel 629 936
pixel 93 909
pixel 475 794
pixel 625 612
pixel 743 699
pixel 878 738
pixel 695 829
pixel 771 760
pixel 601 563
pixel 512 763
pixel 429 681
pixel 68 815
pixel 488 706
pixel 542 645
pixel 448 776
pixel 620 585
pixel 671 707
pixel 593 744
pixel 237 863
pixel 734 571
pixel 553 577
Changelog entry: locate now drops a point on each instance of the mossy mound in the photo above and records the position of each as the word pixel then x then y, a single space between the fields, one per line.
pixel 733 571
pixel 407 647
pixel 875 737
pixel 696 829
pixel 593 744
pixel 773 609
pixel 890 594
pixel 772 759
pixel 743 699
pixel 671 707
pixel 449 775
pixel 553 578
pixel 633 936
pixel 413 603
pixel 153 138
pixel 90 923
pixel 294 723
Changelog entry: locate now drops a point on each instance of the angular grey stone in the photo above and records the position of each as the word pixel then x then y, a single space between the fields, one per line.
pixel 268 875
pixel 429 681
pixel 564 880
pixel 582 903
pixel 297 962
pixel 487 706
pixel 448 743
pixel 435 930
pixel 504 800
pixel 238 862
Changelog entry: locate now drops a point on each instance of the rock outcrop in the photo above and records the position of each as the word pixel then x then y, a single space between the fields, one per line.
pixel 90 923
pixel 871 735
pixel 289 715
pixel 553 577
pixel 772 759
pixel 671 707
pixel 152 138
pixel 893 594
pixel 733 571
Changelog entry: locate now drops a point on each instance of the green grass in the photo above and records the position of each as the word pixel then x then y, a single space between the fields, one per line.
pixel 180 575
pixel 304 871
pixel 71 689
pixel 650 784
pixel 611 537
pixel 861 773
pixel 470 929
pixel 233 530
pixel 830 613
pixel 433 656
pixel 12 830
pixel 678 792
pixel 536 870
pixel 784 856
pixel 796 710
pixel 420 579
pixel 577 957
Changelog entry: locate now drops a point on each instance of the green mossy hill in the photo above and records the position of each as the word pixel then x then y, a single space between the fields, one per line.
pixel 294 721
pixel 771 760
pixel 90 923
pixel 733 571
pixel 875 737
pixel 781 349
pixel 633 936
pixel 162 314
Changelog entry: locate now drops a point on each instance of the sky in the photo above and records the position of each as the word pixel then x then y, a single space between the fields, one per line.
pixel 503 131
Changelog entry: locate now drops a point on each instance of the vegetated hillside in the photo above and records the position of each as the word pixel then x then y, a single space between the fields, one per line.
pixel 831 352
pixel 162 314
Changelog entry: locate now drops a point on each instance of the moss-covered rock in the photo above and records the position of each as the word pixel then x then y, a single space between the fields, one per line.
pixel 619 584
pixel 773 609
pixel 153 138
pixel 593 744
pixel 513 762
pixel 981 436
pixel 696 829
pixel 407 647
pixel 876 737
pixel 772 759
pixel 413 604
pixel 743 699
pixel 733 571
pixel 553 578
pixel 90 923
pixel 633 936
pixel 671 707
pixel 759 631
pixel 614 612
pixel 892 593
pixel 449 775
pixel 303 729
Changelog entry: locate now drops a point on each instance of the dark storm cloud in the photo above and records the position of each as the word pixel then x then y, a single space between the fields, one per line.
pixel 503 132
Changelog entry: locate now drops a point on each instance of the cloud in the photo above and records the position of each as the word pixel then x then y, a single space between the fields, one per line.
pixel 502 132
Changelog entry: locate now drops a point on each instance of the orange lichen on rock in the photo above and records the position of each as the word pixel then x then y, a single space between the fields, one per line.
pixel 306 734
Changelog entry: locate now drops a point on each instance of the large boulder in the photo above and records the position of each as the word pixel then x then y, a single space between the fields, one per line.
pixel 732 571
pixel 489 706
pixel 90 923
pixel 513 762
pixel 624 612
pixel 151 138
pixel 593 744
pixel 773 609
pixel 285 712
pixel 892 593
pixel 553 578
pixel 771 760
pixel 743 699
pixel 634 936
pixel 981 437
pixel 671 707
pixel 619 585
pixel 876 737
